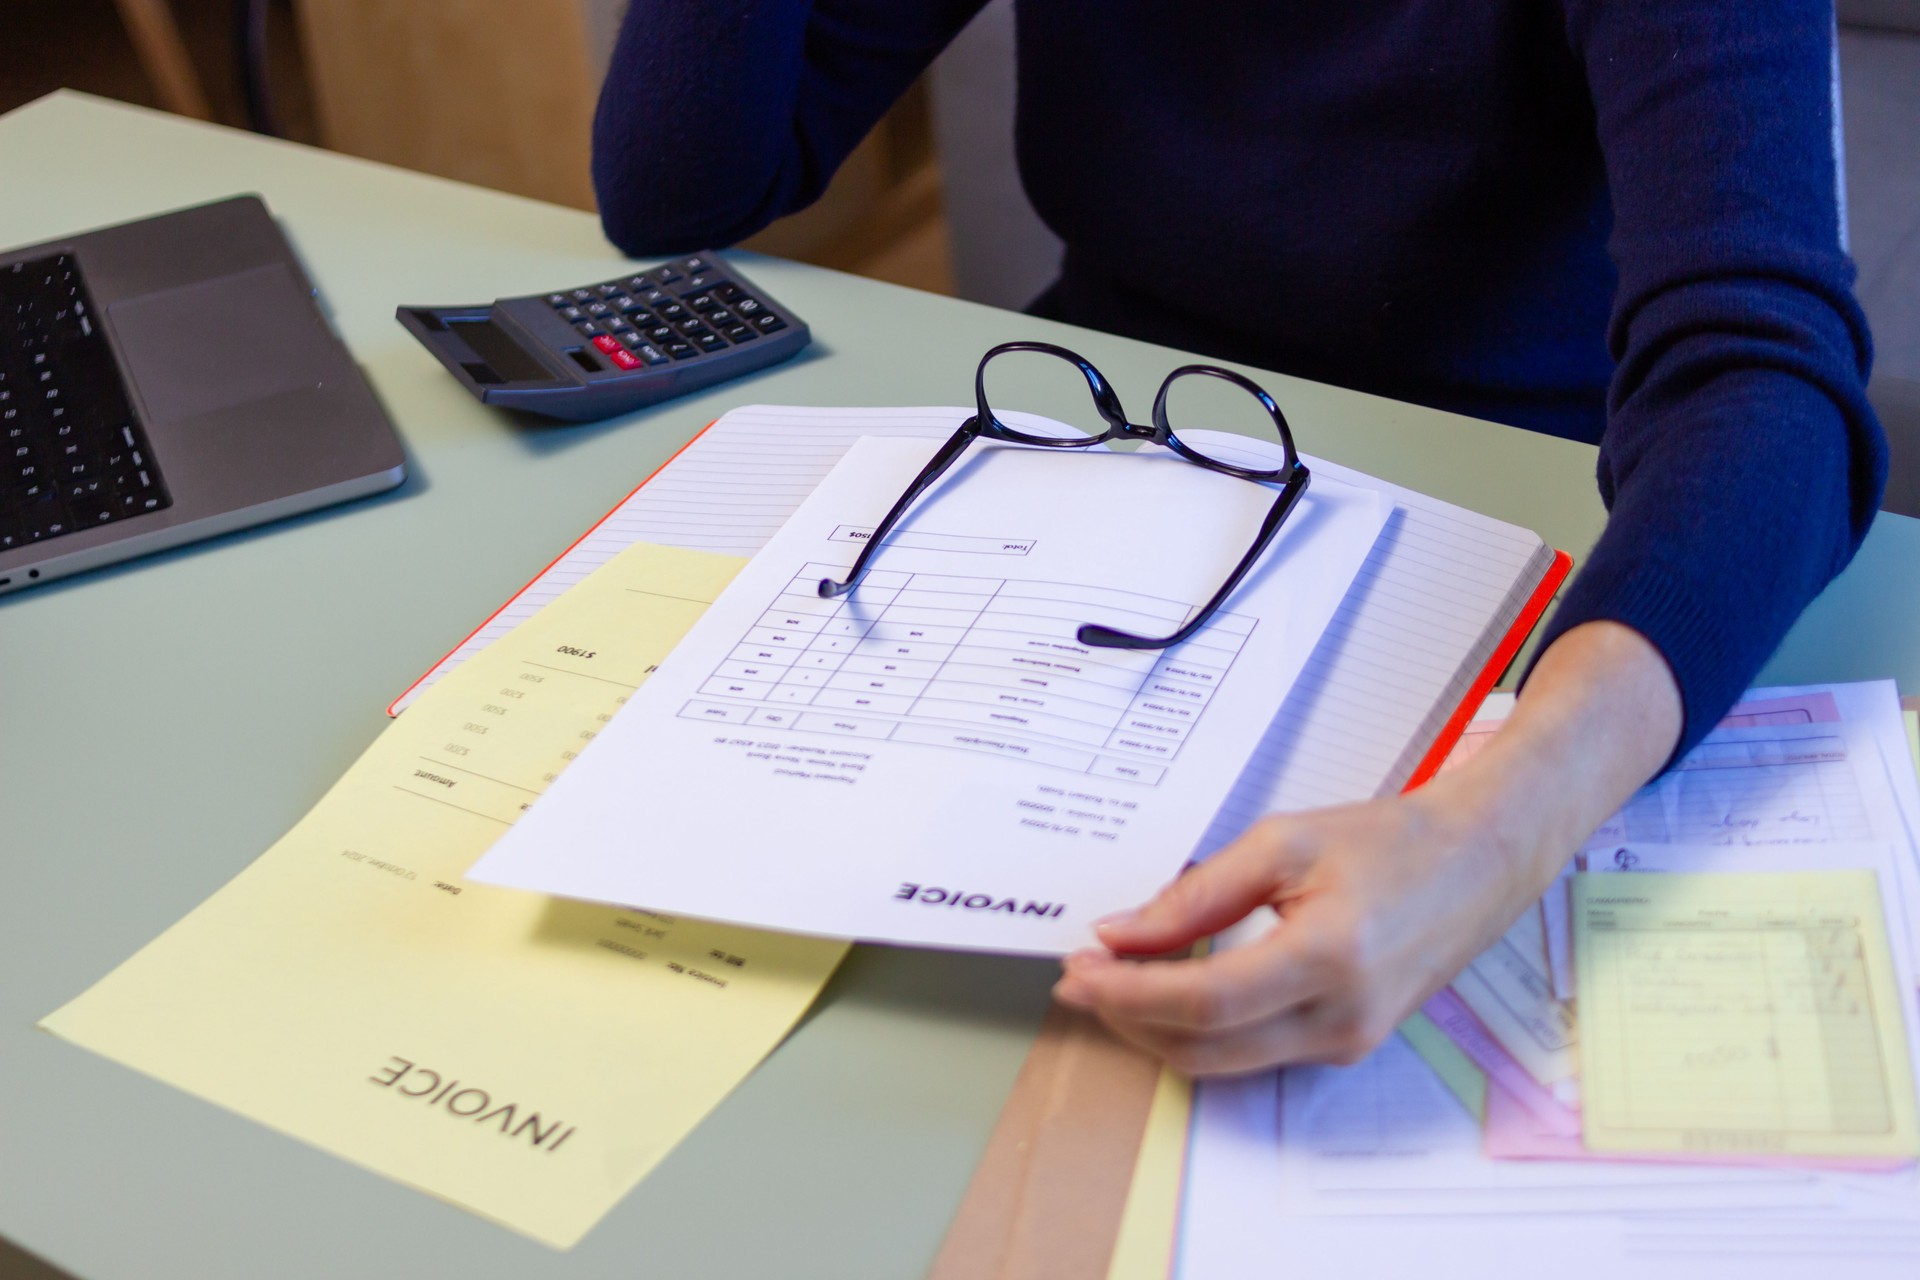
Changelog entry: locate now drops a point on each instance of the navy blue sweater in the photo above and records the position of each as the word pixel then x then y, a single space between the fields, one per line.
pixel 1611 220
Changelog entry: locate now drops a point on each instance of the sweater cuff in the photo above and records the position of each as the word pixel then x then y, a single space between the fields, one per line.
pixel 1699 641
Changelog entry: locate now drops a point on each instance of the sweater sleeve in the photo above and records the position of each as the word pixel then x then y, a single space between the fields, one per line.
pixel 1741 463
pixel 718 116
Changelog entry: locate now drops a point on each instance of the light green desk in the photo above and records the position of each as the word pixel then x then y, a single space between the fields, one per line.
pixel 163 722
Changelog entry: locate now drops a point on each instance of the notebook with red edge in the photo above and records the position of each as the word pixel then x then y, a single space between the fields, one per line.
pixel 1443 605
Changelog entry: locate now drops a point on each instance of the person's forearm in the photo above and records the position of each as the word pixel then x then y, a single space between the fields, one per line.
pixel 1742 463
pixel 1598 717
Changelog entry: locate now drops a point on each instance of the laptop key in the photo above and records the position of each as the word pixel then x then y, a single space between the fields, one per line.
pixel 71 454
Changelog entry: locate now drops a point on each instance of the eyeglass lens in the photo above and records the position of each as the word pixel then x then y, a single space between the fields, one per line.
pixel 1198 406
pixel 1024 388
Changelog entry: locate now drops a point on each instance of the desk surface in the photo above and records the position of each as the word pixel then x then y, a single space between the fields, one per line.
pixel 161 723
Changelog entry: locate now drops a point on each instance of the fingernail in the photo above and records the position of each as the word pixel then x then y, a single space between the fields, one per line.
pixel 1072 991
pixel 1117 918
pixel 1089 957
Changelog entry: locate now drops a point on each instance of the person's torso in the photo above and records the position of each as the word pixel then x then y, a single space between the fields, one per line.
pixel 1401 195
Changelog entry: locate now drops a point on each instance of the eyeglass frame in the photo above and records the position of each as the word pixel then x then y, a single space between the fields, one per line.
pixel 1294 476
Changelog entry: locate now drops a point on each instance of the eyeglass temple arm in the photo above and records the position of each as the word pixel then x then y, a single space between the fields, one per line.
pixel 1102 637
pixel 936 467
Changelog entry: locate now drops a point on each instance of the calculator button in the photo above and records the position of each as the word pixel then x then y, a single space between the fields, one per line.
pixel 598 309
pixel 747 307
pixel 720 318
pixel 608 344
pixel 657 297
pixel 641 319
pixel 557 299
pixel 739 333
pixel 730 292
pixel 637 283
pixel 695 265
pixel 572 314
pixel 704 280
pixel 588 328
pixel 583 295
pixel 767 322
pixel 664 275
pixel 681 350
pixel 674 312
pixel 709 341
pixel 621 302
pixel 608 290
pixel 651 354
pixel 625 359
pixel 618 324
pixel 662 332
pixel 702 302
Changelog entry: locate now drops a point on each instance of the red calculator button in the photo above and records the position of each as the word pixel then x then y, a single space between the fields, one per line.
pixel 608 343
pixel 624 358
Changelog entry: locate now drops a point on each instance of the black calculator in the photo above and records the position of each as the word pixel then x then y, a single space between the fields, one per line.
pixel 606 348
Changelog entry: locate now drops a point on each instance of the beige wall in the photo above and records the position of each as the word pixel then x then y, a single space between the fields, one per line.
pixel 501 93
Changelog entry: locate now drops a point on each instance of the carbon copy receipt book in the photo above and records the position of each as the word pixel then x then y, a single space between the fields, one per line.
pixel 934 758
pixel 525 1058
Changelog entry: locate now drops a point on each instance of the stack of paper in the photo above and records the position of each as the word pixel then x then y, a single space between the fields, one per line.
pixel 936 757
pixel 1695 1055
pixel 381 971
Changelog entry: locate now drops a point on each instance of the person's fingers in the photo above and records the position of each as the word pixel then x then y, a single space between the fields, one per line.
pixel 1224 990
pixel 1213 895
pixel 1329 1033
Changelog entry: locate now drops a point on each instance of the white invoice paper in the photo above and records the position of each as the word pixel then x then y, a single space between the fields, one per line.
pixel 935 759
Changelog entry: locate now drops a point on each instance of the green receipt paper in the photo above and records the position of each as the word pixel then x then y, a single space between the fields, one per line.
pixel 1744 1014
pixel 524 1057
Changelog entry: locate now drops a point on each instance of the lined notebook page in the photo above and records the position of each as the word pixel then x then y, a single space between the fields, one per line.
pixel 1438 592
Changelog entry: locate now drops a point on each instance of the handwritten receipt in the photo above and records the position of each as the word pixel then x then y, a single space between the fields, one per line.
pixel 1741 1013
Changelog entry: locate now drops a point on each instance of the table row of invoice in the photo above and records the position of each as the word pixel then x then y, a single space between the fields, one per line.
pixel 936 658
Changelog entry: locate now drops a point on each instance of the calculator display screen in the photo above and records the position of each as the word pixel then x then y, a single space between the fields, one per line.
pixel 507 358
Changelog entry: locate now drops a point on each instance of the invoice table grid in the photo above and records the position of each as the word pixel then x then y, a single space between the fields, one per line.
pixel 981 664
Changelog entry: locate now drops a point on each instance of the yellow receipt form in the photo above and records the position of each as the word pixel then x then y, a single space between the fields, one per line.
pixel 1745 1015
pixel 524 1057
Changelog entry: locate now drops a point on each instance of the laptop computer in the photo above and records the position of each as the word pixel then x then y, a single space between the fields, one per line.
pixel 168 380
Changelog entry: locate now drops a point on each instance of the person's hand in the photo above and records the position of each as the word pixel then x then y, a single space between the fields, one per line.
pixel 1375 906
pixel 1379 904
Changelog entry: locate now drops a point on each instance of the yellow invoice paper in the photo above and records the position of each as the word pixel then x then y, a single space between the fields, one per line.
pixel 1150 1221
pixel 524 1057
pixel 1750 1014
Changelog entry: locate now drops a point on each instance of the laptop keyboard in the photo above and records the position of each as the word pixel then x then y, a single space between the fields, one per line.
pixel 71 455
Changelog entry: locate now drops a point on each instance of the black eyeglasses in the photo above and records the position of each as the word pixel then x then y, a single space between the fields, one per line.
pixel 1292 475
